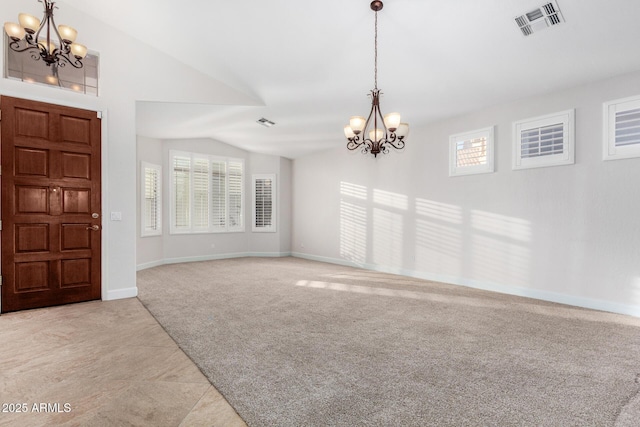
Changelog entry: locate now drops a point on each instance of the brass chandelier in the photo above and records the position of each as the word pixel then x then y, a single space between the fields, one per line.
pixel 54 45
pixel 376 133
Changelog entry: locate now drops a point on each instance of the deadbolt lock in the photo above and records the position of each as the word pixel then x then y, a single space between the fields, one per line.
pixel 95 215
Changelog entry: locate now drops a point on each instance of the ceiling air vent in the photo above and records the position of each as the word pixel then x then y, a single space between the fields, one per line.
pixel 538 19
pixel 266 122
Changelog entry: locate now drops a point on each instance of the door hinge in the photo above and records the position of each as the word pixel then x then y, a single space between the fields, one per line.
pixel 0 280
pixel 0 225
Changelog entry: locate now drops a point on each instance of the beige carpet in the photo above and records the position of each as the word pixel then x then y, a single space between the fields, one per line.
pixel 291 342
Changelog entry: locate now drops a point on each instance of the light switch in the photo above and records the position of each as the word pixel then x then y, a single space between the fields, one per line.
pixel 116 216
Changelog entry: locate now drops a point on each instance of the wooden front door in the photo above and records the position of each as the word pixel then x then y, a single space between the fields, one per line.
pixel 51 213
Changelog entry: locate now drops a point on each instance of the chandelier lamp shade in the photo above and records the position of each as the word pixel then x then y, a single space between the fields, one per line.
pixel 54 45
pixel 376 133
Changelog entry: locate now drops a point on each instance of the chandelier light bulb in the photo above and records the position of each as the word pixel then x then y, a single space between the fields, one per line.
pixel 392 121
pixel 403 130
pixel 13 30
pixel 348 132
pixel 50 47
pixel 29 22
pixel 78 50
pixel 376 135
pixel 67 33
pixel 357 124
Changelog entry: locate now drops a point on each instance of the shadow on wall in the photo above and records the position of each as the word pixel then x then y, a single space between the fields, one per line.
pixel 393 231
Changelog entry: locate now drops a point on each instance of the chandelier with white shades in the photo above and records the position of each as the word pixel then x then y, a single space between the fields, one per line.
pixel 377 132
pixel 54 45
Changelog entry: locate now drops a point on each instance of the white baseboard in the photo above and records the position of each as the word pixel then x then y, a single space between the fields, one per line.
pixel 121 294
pixel 576 301
pixel 213 257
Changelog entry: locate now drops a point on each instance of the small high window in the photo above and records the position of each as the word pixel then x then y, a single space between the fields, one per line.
pixel 622 128
pixel 471 152
pixel 544 141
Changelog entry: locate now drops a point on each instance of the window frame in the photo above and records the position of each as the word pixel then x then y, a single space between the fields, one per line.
pixel 228 216
pixel 567 157
pixel 610 109
pixel 488 167
pixel 272 228
pixel 144 231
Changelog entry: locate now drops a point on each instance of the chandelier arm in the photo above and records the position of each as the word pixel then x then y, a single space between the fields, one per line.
pixel 384 125
pixel 75 62
pixel 15 46
pixel 354 143
pixel 48 12
pixel 64 47
pixel 395 141
pixel 374 98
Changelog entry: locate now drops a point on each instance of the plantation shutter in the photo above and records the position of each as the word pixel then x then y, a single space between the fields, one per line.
pixel 201 192
pixel 218 194
pixel 622 128
pixel 206 193
pixel 264 203
pixel 235 194
pixel 151 196
pixel 542 141
pixel 181 192
pixel 627 127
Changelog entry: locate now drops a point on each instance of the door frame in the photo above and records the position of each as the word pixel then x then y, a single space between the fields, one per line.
pixel 102 113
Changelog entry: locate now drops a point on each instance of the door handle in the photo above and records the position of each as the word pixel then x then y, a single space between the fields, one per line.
pixel 94 228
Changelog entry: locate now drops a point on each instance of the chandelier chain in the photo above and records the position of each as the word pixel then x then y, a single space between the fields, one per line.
pixel 375 55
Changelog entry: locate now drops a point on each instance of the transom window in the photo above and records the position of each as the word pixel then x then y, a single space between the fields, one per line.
pixel 21 66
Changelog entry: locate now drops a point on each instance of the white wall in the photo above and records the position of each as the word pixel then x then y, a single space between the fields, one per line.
pixel 566 233
pixel 129 71
pixel 171 248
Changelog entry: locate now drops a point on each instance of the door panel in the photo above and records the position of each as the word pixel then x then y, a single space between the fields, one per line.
pixel 50 191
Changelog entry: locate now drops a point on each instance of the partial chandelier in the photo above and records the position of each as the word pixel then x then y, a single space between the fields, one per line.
pixel 54 45
pixel 376 133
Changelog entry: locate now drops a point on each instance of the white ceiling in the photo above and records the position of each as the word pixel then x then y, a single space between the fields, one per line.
pixel 310 63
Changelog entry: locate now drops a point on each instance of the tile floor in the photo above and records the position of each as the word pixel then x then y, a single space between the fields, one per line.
pixel 101 364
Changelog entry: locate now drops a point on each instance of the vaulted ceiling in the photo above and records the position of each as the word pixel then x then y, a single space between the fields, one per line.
pixel 309 64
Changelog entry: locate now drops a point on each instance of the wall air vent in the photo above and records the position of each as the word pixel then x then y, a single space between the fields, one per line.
pixel 538 19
